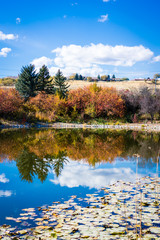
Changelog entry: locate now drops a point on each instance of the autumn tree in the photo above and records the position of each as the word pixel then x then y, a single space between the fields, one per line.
pixel 60 84
pixel 10 102
pixel 72 77
pixel 104 77
pixel 27 82
pixel 148 102
pixel 132 103
pixel 157 75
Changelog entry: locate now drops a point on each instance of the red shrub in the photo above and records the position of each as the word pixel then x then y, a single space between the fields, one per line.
pixel 96 101
pixel 10 101
pixel 46 107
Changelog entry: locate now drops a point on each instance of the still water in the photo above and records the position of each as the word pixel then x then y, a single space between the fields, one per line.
pixel 38 167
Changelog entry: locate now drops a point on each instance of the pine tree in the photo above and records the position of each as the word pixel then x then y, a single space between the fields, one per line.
pixel 76 76
pixel 113 77
pixel 61 85
pixel 27 82
pixel 44 81
pixel 108 78
pixel 80 77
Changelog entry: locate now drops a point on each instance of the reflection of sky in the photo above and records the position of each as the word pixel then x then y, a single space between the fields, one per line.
pixel 3 178
pixel 77 174
pixel 77 178
pixel 6 193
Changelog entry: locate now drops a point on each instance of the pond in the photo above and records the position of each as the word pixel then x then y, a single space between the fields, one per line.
pixel 38 167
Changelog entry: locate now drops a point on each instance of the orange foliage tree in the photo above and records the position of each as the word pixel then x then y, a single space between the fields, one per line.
pixel 96 101
pixel 82 103
pixel 10 102
pixel 46 106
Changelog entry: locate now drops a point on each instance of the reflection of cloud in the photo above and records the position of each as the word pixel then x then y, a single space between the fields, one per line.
pixel 3 178
pixel 6 193
pixel 77 174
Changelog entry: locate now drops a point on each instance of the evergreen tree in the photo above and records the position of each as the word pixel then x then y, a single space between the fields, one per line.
pixel 44 81
pixel 108 78
pixel 113 77
pixel 80 77
pixel 27 82
pixel 99 78
pixel 76 76
pixel 61 85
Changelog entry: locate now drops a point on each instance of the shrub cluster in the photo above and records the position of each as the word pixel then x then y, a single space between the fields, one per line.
pixel 81 104
pixel 141 103
pixel 8 81
pixel 10 103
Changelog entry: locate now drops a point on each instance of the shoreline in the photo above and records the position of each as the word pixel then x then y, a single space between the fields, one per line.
pixel 129 126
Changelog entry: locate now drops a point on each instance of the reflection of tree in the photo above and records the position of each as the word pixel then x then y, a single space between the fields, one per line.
pixel 59 161
pixel 145 145
pixel 35 151
pixel 30 165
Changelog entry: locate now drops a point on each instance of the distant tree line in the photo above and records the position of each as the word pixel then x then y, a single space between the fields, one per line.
pixel 106 78
pixel 8 81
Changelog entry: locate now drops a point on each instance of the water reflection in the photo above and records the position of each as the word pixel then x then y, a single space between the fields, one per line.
pixel 84 175
pixel 3 178
pixel 6 193
pixel 37 153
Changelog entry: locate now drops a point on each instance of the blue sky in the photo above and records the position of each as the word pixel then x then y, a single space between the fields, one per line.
pixel 90 37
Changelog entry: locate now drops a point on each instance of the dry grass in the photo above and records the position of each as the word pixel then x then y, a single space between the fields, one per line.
pixel 117 85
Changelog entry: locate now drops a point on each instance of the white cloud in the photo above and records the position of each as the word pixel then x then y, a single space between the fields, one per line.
pixel 3 178
pixel 92 71
pixel 103 18
pixel 4 52
pixel 91 60
pixel 18 20
pixel 39 62
pixel 5 193
pixel 156 59
pixel 4 36
pixel 87 56
pixel 77 174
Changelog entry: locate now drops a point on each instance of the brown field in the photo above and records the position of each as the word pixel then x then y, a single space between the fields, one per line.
pixel 118 85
